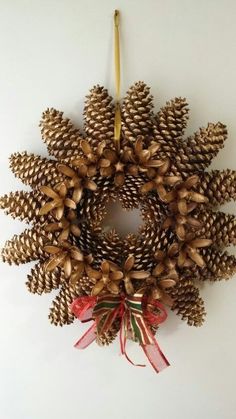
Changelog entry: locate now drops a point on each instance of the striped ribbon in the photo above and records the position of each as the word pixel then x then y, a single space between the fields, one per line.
pixel 134 317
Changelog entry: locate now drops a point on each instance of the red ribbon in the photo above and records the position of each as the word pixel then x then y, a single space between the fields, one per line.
pixel 85 309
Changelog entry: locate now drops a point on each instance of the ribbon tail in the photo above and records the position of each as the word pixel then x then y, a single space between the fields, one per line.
pixel 87 338
pixel 122 337
pixel 155 356
pixel 123 340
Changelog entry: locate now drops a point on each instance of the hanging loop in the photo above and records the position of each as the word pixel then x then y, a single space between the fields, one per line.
pixel 117 122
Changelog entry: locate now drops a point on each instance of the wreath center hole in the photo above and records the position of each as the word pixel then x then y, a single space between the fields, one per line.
pixel 122 220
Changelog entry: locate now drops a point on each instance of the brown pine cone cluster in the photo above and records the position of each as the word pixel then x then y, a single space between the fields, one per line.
pixel 183 236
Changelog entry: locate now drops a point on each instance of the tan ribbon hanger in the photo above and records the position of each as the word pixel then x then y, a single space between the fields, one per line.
pixel 117 124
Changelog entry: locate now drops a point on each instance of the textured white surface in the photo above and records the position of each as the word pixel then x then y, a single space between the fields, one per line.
pixel 52 52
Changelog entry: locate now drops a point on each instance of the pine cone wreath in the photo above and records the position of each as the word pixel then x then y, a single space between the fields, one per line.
pixel 183 236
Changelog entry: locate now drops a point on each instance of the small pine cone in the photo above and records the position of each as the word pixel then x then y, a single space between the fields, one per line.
pixel 61 137
pixel 27 246
pixel 187 302
pixel 217 226
pixel 24 205
pixel 87 239
pixel 143 255
pixel 41 281
pixel 196 153
pixel 92 209
pixel 35 170
pixel 218 186
pixel 85 285
pixel 108 246
pixel 218 266
pixel 129 194
pixel 99 117
pixel 60 312
pixel 137 112
pixel 171 122
pixel 109 336
pixel 93 204
pixel 144 245
pixel 153 212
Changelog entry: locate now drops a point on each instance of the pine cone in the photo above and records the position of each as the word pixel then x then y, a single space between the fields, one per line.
pixel 60 312
pixel 171 122
pixel 129 194
pixel 153 212
pixel 109 336
pixel 41 281
pixel 85 285
pixel 26 247
pixel 61 137
pixel 34 170
pixel 87 239
pixel 218 186
pixel 24 205
pixel 110 247
pixel 144 245
pixel 196 153
pixel 137 112
pixel 187 302
pixel 218 266
pixel 217 226
pixel 99 116
pixel 101 245
pixel 93 205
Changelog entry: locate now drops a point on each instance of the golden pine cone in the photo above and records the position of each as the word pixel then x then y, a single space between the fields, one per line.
pixel 217 226
pixel 62 139
pixel 218 186
pixel 171 122
pixel 197 151
pixel 153 212
pixel 60 312
pixel 137 112
pixel 101 245
pixel 144 245
pixel 133 245
pixel 24 205
pixel 27 246
pixel 110 247
pixel 129 194
pixel 85 285
pixel 41 281
pixel 218 265
pixel 87 239
pixel 109 336
pixel 35 170
pixel 99 116
pixel 93 205
pixel 187 302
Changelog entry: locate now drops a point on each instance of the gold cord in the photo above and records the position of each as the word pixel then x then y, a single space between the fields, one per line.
pixel 117 125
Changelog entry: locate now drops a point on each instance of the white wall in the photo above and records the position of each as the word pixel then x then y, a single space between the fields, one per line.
pixel 52 52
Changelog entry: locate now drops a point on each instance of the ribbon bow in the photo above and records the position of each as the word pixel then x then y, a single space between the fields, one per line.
pixel 135 316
